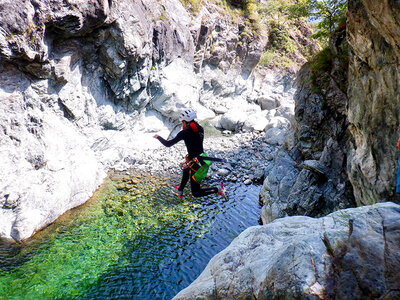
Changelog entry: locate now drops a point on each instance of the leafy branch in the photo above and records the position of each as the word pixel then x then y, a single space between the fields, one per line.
pixel 327 14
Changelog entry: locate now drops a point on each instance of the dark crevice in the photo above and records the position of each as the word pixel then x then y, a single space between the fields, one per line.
pixel 67 112
pixel 385 252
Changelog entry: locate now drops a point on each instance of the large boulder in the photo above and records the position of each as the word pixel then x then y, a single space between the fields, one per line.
pixel 47 166
pixel 349 254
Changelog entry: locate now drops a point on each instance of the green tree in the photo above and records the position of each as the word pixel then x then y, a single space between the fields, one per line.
pixel 327 14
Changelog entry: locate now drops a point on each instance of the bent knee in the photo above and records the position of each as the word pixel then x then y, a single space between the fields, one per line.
pixel 197 194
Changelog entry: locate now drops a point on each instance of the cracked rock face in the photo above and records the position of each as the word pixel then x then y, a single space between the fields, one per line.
pixel 311 178
pixel 373 35
pixel 349 254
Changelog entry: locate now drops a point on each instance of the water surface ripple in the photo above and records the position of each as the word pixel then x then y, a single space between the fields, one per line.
pixel 134 240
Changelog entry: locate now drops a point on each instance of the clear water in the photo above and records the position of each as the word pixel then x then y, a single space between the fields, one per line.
pixel 133 240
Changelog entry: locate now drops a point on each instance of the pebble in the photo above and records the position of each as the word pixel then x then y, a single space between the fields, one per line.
pixel 223 172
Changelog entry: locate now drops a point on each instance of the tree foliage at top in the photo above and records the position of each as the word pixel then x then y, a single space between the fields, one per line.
pixel 327 14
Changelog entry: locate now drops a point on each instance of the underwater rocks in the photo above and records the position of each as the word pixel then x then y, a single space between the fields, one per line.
pixel 349 254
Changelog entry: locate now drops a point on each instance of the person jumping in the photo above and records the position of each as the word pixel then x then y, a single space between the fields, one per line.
pixel 193 135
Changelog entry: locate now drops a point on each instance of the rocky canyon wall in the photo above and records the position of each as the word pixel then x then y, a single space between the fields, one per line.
pixel 347 121
pixel 85 85
pixel 373 109
pixel 311 178
pixel 349 254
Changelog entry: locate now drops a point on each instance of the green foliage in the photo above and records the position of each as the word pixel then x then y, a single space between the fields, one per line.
pixel 284 62
pixel 239 3
pixel 279 39
pixel 322 61
pixel 299 10
pixel 267 58
pixel 280 8
pixel 32 40
pixel 275 16
pixel 277 36
pixel 194 5
pixel 9 36
pixel 327 14
pixel 270 58
pixel 247 9
pixel 320 64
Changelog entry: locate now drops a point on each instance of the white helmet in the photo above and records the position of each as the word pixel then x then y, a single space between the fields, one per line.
pixel 187 115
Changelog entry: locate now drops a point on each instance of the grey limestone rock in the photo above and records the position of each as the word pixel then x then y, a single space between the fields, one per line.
pixel 316 167
pixel 320 145
pixel 373 35
pixel 349 254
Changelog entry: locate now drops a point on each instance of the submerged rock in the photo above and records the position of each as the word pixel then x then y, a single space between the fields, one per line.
pixel 349 254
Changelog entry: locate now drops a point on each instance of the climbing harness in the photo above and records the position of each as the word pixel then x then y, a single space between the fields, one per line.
pixel 198 169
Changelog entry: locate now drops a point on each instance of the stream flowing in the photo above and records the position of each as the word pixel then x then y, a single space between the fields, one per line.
pixel 132 240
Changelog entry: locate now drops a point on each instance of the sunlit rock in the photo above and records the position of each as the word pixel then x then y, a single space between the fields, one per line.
pixel 348 254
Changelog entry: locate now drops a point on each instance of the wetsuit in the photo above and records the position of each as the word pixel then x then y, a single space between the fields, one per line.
pixel 193 137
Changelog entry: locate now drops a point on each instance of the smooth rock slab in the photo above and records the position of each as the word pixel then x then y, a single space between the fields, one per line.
pixel 349 254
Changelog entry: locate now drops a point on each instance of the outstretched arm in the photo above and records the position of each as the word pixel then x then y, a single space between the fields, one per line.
pixel 169 143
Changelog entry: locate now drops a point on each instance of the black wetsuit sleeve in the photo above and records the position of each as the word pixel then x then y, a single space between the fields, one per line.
pixel 169 143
